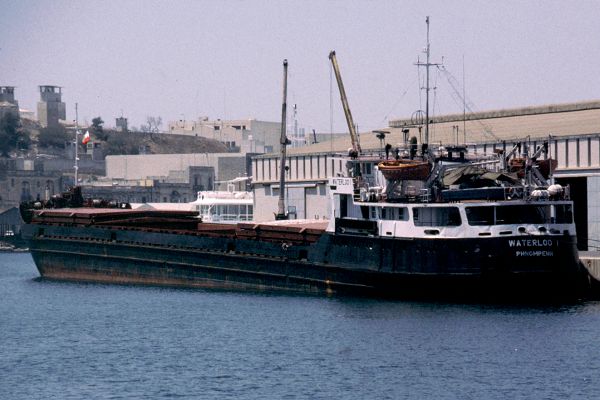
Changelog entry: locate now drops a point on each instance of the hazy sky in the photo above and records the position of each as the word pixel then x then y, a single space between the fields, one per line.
pixel 223 59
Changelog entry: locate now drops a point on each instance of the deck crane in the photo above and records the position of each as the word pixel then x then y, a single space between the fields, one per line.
pixel 356 150
pixel 284 141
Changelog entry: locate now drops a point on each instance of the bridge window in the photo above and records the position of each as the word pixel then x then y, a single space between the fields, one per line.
pixel 374 212
pixel 564 213
pixel 523 214
pixel 402 214
pixel 480 215
pixel 436 216
pixel 394 213
pixel 388 213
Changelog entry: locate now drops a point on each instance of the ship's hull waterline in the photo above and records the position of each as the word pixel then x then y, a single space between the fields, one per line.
pixel 496 267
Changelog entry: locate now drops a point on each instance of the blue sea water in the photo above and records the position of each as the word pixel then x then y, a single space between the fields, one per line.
pixel 89 341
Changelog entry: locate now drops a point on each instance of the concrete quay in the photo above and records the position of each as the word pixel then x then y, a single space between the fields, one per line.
pixel 591 261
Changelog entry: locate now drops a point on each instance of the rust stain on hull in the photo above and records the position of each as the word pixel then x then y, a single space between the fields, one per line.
pixel 169 279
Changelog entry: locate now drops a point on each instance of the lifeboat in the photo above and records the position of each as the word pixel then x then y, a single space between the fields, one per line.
pixel 396 170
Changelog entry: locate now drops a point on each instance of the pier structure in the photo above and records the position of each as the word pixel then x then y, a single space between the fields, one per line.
pixel 591 261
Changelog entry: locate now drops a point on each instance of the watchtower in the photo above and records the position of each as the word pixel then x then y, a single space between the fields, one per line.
pixel 121 124
pixel 8 104
pixel 50 107
pixel 7 94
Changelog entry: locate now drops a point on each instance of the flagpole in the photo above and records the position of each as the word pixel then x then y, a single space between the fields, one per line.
pixel 76 143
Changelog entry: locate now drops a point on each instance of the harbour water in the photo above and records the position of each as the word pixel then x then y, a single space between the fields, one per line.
pixel 75 341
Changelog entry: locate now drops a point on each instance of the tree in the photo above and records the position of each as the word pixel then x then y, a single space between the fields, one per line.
pixel 98 130
pixel 11 135
pixel 4 144
pixel 55 136
pixel 97 124
pixel 23 141
pixel 152 125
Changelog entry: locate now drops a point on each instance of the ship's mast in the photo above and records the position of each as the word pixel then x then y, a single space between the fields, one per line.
pixel 427 64
pixel 427 88
pixel 283 142
pixel 76 145
pixel 464 105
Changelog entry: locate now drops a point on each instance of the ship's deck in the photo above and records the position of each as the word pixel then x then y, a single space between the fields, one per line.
pixel 298 231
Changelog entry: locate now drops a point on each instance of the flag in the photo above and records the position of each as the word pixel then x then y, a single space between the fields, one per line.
pixel 86 137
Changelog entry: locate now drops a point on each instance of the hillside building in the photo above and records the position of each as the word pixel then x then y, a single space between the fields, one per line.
pixel 244 135
pixel 226 166
pixel 179 186
pixel 26 179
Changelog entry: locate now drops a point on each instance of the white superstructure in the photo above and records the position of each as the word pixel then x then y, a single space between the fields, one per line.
pixel 224 206
pixel 212 206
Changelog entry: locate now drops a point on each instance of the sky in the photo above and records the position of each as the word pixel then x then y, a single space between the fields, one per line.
pixel 223 59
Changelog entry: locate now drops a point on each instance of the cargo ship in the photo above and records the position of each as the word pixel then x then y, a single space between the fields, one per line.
pixel 422 222
pixel 465 230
